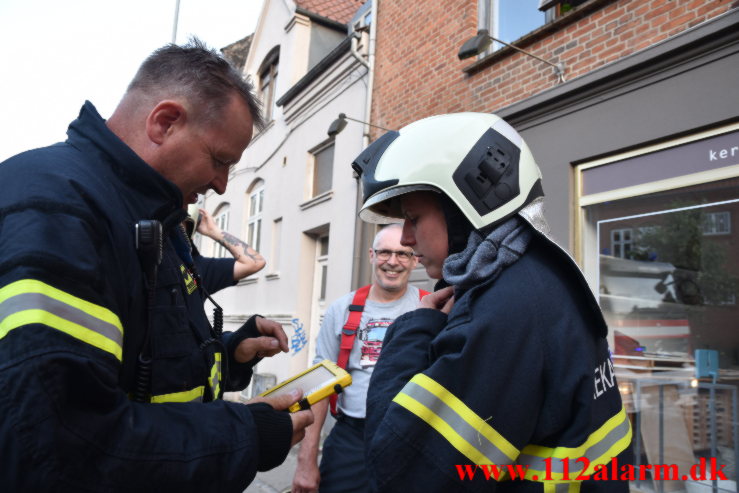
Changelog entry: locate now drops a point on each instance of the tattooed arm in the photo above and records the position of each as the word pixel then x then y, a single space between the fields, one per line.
pixel 248 260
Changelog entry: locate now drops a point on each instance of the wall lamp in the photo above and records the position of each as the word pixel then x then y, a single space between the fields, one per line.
pixel 338 125
pixel 478 44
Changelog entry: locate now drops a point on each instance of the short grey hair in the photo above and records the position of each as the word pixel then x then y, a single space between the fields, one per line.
pixel 377 236
pixel 199 74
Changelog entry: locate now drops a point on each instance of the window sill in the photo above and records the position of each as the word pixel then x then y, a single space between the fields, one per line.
pixel 318 199
pixel 547 29
pixel 272 276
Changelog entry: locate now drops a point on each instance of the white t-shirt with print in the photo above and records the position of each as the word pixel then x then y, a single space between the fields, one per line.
pixel 376 318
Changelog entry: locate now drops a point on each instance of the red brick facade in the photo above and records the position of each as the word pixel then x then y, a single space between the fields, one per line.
pixel 417 72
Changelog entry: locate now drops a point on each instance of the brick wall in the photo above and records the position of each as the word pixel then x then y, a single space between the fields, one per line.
pixel 417 72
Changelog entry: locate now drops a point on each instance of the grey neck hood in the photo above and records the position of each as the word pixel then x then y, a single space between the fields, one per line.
pixel 484 258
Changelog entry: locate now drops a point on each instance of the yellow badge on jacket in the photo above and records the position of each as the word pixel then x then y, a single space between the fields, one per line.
pixel 189 281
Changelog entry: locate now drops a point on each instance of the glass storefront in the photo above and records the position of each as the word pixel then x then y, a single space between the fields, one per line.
pixel 660 246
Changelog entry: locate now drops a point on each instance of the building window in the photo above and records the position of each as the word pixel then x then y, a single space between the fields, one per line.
pixel 221 218
pixel 509 20
pixel 717 223
pixel 267 83
pixel 254 215
pixel 323 265
pixel 621 242
pixel 323 167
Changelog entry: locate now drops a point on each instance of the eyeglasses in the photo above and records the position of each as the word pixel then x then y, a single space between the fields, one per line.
pixel 403 255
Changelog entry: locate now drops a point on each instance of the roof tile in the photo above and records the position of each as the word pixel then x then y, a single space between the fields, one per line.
pixel 338 10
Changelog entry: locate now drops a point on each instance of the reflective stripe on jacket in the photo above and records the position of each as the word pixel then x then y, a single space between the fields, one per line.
pixel 73 311
pixel 517 375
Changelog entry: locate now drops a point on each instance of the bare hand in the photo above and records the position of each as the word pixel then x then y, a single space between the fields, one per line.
pixel 208 226
pixel 307 477
pixel 442 299
pixel 301 419
pixel 273 341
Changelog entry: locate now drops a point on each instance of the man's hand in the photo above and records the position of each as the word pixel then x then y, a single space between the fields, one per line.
pixel 307 477
pixel 208 226
pixel 272 341
pixel 442 299
pixel 301 419
pixel 307 474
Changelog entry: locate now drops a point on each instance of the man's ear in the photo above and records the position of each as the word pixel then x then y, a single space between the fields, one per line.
pixel 164 119
pixel 371 255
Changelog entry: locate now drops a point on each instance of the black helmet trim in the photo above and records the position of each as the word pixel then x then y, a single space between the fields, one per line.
pixel 488 175
pixel 366 163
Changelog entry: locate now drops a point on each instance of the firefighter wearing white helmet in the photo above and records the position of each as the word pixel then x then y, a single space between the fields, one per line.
pixel 506 364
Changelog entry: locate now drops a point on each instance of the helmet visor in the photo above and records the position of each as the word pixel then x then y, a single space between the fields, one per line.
pixel 384 206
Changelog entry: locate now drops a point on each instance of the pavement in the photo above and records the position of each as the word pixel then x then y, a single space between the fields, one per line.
pixel 280 479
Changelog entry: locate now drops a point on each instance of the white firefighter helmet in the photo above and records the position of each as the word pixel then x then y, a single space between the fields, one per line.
pixel 476 159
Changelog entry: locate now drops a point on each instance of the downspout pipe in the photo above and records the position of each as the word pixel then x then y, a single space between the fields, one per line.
pixel 361 272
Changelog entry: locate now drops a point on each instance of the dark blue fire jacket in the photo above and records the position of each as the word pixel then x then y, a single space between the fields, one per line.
pixel 73 314
pixel 519 374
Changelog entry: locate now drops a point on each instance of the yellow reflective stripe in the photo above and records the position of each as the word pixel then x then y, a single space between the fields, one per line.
pixel 215 375
pixel 606 442
pixel 457 423
pixel 479 424
pixel 33 302
pixel 194 395
pixel 427 415
pixel 79 332
pixel 34 286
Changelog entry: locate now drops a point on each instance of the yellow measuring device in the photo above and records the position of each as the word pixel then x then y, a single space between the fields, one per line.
pixel 317 382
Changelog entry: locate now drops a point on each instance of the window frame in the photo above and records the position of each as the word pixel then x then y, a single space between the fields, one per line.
pixel 267 73
pixel 488 17
pixel 254 219
pixel 222 218
pixel 322 147
pixel 714 231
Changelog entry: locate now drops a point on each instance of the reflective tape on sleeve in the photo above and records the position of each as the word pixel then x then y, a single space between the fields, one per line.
pixel 467 432
pixel 29 301
pixel 194 395
pixel 606 442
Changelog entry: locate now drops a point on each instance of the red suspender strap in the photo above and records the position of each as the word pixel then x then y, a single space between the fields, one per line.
pixel 349 332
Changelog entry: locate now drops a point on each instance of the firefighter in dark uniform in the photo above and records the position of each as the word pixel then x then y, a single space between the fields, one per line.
pixel 506 364
pixel 111 373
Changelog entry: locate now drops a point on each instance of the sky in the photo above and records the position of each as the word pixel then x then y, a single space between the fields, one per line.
pixel 55 54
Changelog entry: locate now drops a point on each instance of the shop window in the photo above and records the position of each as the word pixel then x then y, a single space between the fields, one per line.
pixel 657 247
pixel 254 215
pixel 323 168
pixel 221 218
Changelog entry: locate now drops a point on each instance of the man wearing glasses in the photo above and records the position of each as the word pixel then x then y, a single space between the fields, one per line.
pixel 342 466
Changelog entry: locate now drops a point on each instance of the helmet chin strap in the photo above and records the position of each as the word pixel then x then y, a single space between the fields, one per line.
pixel 458 227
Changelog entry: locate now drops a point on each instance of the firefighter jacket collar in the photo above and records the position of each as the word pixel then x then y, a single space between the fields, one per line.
pixel 89 133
